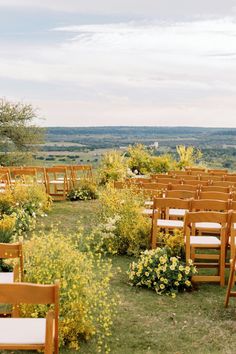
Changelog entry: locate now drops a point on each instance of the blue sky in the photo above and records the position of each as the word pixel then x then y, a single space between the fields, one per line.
pixel 126 62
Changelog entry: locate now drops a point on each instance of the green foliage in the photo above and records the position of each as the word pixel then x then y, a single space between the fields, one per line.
pixel 85 190
pixel 139 159
pixel 162 164
pixel 16 129
pixel 159 270
pixel 112 167
pixel 24 204
pixel 86 304
pixel 188 156
pixel 124 229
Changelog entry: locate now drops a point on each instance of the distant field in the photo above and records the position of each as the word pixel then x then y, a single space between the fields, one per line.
pixel 86 145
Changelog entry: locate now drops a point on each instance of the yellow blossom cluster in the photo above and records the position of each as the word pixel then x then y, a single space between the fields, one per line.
pixel 159 270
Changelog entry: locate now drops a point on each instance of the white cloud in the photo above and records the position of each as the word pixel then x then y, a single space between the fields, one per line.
pixel 136 73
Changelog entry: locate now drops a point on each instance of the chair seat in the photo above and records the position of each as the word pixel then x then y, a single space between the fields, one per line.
pixel 22 330
pixel 177 212
pixel 56 181
pixel 204 240
pixel 6 277
pixel 147 212
pixel 170 223
pixel 148 202
pixel 208 225
pixel 2 185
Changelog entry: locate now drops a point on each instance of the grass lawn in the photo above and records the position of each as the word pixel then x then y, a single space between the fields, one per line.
pixel 148 323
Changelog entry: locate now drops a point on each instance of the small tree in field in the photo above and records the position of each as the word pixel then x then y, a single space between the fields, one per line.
pixel 188 156
pixel 17 133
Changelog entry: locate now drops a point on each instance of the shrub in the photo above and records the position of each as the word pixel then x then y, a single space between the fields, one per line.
pixel 161 164
pixel 7 228
pixel 159 270
pixel 112 167
pixel 139 159
pixel 85 190
pixel 124 228
pixel 24 203
pixel 86 305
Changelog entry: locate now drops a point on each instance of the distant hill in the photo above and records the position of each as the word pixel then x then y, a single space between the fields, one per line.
pixel 108 137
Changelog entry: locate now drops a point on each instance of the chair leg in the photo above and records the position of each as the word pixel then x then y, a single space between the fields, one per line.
pixel 230 282
pixel 222 266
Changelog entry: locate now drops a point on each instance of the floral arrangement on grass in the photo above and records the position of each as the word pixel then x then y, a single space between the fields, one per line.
pixel 21 205
pixel 85 190
pixel 123 228
pixel 159 270
pixel 87 306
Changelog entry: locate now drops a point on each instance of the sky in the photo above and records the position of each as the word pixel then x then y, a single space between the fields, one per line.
pixel 126 62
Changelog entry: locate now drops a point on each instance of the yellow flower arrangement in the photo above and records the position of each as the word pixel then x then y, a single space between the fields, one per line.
pixel 159 270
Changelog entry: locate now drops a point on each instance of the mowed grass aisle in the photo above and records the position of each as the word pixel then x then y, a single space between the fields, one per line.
pixel 148 323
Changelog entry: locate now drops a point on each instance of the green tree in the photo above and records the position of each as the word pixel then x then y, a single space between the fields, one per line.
pixel 18 134
pixel 139 159
pixel 188 156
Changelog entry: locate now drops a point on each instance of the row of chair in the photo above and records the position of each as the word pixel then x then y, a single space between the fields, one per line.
pixel 26 333
pixel 57 180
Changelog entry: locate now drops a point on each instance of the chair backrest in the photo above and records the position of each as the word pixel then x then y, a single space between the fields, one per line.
pixel 13 250
pixel 188 178
pixel 223 183
pixel 203 169
pixel 192 218
pixel 218 171
pixel 21 174
pixel 209 205
pixel 160 175
pixel 164 203
pixel 214 195
pixel 181 194
pixel 169 180
pixel 215 189
pixel 230 178
pixel 27 293
pixel 178 173
pixel 159 186
pixel 211 178
pixel 186 187
pixel 194 182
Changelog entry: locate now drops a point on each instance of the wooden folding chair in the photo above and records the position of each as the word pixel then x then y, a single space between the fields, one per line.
pixel 214 195
pixel 57 182
pixel 30 333
pixel 203 243
pixel 160 217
